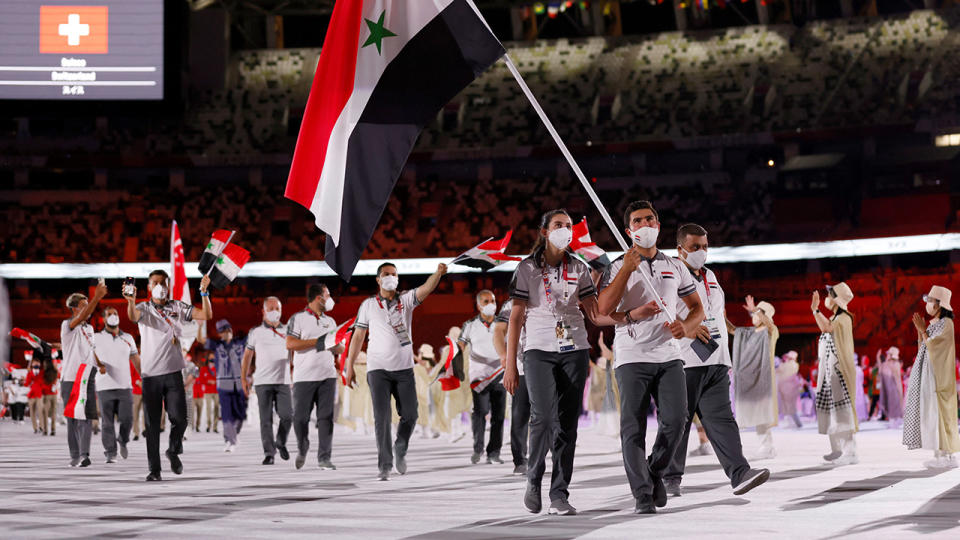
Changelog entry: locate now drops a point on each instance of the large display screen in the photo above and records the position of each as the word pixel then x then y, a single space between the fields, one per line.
pixel 71 49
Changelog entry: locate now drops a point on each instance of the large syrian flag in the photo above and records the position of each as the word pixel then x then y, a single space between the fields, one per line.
pixel 585 249
pixel 223 259
pixel 385 69
pixel 487 254
pixel 76 404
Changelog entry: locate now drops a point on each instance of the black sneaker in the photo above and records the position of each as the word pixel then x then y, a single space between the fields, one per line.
pixel 154 477
pixel 384 475
pixel 645 506
pixel 750 480
pixel 136 437
pixel 494 458
pixel 561 507
pixel 74 462
pixel 659 493
pixel 268 460
pixel 531 499
pixel 123 451
pixel 475 458
pixel 400 462
pixel 326 465
pixel 284 454
pixel 175 464
pixel 301 459
pixel 520 469
pixel 86 462
pixel 673 487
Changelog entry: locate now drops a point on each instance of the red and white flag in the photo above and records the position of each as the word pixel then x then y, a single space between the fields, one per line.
pixel 223 259
pixel 179 289
pixel 341 336
pixel 76 404
pixel 487 254
pixel 585 249
pixel 385 69
pixel 450 376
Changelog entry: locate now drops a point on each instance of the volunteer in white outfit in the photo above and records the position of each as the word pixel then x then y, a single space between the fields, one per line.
pixel 76 338
pixel 267 346
pixel 708 379
pixel 314 374
pixel 647 351
pixel 486 376
pixel 116 349
pixel 388 317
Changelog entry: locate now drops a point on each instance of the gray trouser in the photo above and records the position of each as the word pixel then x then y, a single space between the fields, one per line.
pixel 402 386
pixel 555 386
pixel 519 422
pixel 708 395
pixel 492 400
pixel 115 403
pixel 79 431
pixel 306 395
pixel 667 384
pixel 270 397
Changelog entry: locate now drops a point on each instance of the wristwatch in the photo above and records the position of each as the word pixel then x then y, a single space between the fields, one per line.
pixel 629 318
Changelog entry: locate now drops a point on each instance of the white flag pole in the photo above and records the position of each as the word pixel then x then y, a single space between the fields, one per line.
pixel 225 244
pixel 583 179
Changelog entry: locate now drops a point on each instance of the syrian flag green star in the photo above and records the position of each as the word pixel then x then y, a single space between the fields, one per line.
pixel 223 260
pixel 377 32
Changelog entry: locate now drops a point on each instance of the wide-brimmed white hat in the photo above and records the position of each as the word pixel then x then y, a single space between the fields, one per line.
pixel 893 352
pixel 841 294
pixel 426 351
pixel 767 309
pixel 940 294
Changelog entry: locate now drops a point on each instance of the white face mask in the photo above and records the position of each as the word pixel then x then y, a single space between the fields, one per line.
pixel 389 283
pixel 931 309
pixel 696 259
pixel 560 238
pixel 489 310
pixel 646 237
pixel 159 292
pixel 113 320
pixel 272 316
pixel 828 302
pixel 329 303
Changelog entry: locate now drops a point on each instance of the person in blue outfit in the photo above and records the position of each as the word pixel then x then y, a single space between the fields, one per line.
pixel 228 356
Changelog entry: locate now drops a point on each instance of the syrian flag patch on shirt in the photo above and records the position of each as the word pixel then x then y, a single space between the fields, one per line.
pixel 223 260
pixel 487 255
pixel 76 406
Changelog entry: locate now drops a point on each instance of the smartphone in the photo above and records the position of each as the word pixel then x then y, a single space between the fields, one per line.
pixel 704 350
pixel 100 281
pixel 128 287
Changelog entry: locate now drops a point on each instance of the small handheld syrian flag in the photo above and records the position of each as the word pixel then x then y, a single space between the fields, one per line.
pixel 76 405
pixel 31 339
pixel 341 335
pixel 222 260
pixel 452 372
pixel 487 254
pixel 585 249
pixel 385 69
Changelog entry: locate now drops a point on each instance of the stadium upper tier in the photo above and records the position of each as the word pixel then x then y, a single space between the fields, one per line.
pixel 836 73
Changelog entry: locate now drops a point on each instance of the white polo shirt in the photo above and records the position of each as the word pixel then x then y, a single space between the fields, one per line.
pixel 161 329
pixel 270 346
pixel 713 300
pixel 115 353
pixel 77 348
pixel 503 316
pixel 569 283
pixel 649 340
pixel 310 365
pixel 390 332
pixel 484 360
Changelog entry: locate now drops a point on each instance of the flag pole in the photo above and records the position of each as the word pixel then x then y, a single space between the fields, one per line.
pixel 225 244
pixel 576 169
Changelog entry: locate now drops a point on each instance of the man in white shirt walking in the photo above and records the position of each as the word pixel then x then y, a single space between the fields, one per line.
pixel 160 321
pixel 314 374
pixel 486 376
pixel 388 317
pixel 76 338
pixel 116 349
pixel 267 346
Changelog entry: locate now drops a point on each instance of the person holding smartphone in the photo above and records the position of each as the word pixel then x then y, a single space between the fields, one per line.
pixel 708 379
pixel 649 361
pixel 160 321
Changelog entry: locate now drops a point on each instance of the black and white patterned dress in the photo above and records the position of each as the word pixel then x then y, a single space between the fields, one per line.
pixel 912 411
pixel 833 403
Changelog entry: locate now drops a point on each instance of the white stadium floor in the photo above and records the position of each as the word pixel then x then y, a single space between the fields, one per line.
pixel 888 495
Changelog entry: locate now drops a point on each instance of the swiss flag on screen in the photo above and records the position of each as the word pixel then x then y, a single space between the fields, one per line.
pixel 73 29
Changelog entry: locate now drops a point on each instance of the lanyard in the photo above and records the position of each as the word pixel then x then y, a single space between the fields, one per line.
pixel 314 313
pixel 165 318
pixel 274 330
pixel 547 289
pixel 85 336
pixel 387 308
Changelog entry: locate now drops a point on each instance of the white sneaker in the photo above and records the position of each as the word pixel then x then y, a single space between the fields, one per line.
pixel 226 447
pixel 847 459
pixel 765 452
pixel 230 448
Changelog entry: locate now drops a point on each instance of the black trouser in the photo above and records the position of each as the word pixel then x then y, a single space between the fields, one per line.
pixel 17 410
pixel 555 386
pixel 270 397
pixel 519 422
pixel 492 400
pixel 874 402
pixel 79 431
pixel 306 395
pixel 708 395
pixel 115 403
pixel 402 386
pixel 164 392
pixel 666 383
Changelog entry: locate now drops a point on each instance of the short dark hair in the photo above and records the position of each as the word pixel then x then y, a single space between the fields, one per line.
pixel 689 229
pixel 159 272
pixel 108 308
pixel 314 290
pixel 384 265
pixel 638 205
